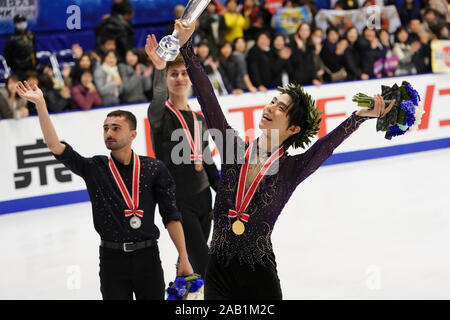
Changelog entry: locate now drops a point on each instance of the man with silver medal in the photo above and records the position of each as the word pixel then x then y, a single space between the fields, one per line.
pixel 122 188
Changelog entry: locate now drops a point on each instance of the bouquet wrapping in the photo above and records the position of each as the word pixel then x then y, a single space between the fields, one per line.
pixel 406 114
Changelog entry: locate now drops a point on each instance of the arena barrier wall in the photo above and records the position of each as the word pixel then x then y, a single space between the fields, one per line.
pixel 31 178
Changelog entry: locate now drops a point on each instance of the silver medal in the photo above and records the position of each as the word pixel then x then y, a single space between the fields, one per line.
pixel 135 222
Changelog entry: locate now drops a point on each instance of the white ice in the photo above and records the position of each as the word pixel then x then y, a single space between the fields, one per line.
pixel 376 229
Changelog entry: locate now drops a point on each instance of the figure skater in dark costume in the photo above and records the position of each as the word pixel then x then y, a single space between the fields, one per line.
pixel 169 111
pixel 255 186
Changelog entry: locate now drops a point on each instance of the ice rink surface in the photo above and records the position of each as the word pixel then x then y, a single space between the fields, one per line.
pixel 376 229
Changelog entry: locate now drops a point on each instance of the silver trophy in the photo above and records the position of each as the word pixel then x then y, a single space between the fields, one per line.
pixel 169 46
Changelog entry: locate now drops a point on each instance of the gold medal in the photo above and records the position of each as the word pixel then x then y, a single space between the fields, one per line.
pixel 238 227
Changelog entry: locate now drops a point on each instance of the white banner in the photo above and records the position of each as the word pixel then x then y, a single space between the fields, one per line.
pixel 29 170
pixel 374 17
pixel 440 56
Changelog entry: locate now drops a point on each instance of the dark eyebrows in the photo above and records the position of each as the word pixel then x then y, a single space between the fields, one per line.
pixel 283 105
pixel 114 125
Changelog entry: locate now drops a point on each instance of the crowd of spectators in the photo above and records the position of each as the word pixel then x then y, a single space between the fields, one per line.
pixel 239 50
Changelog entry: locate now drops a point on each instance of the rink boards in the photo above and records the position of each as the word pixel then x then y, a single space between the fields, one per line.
pixel 31 178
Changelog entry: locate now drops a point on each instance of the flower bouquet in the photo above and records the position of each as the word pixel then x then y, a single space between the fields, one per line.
pixel 186 288
pixel 404 115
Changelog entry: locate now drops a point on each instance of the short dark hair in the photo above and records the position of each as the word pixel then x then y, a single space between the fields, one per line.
pixel 127 115
pixel 179 60
pixel 303 113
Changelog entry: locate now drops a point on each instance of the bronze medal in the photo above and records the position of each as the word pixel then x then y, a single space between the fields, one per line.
pixel 238 227
pixel 198 167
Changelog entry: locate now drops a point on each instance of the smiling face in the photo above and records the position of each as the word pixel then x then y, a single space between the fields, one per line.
pixel 117 133
pixel 111 59
pixel 177 80
pixel 275 118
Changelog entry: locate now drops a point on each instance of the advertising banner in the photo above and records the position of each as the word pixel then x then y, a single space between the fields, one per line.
pixel 32 178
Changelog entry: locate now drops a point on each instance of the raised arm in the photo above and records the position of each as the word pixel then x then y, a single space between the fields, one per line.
pixel 308 162
pixel 34 94
pixel 215 119
pixel 156 108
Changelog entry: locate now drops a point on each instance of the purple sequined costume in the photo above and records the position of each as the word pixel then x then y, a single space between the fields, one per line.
pixel 255 245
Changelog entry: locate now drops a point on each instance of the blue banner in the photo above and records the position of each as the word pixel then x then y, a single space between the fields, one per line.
pixel 59 15
pixel 287 20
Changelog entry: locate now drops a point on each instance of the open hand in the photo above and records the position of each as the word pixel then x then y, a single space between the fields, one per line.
pixel 379 109
pixel 30 92
pixel 150 48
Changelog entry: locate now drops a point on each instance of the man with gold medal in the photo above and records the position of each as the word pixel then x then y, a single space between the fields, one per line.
pixel 258 178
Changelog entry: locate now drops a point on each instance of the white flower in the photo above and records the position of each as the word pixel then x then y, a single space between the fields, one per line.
pixel 418 115
pixel 199 295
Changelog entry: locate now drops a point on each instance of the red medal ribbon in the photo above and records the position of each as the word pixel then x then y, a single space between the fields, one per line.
pixel 243 200
pixel 133 201
pixel 196 155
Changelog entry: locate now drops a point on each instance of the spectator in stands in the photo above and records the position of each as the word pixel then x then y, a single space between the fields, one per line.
pixel 371 51
pixel 408 10
pixel 317 40
pixel 422 58
pixel 58 100
pixel 107 79
pixel 232 77
pixel 107 43
pixel 20 48
pixel 302 59
pixel 404 52
pixel 177 12
pixel 390 62
pixel 136 79
pixel 209 25
pixel 85 95
pixel 332 55
pixel 84 63
pixel 57 83
pixel 430 20
pixel 352 56
pixel 211 66
pixel 441 7
pixel 282 55
pixel 415 25
pixel 441 31
pixel 118 26
pixel 234 23
pixel 240 53
pixel 11 104
pixel 260 64
pixel 254 13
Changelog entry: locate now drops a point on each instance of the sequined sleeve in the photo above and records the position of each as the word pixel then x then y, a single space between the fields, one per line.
pixel 74 161
pixel 218 126
pixel 306 163
pixel 164 192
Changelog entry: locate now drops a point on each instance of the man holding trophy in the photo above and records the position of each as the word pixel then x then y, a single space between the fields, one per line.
pixel 256 183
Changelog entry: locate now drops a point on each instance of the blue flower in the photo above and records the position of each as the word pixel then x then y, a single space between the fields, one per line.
pixel 408 106
pixel 413 94
pixel 395 131
pixel 181 293
pixel 171 291
pixel 409 119
pixel 180 283
pixel 196 285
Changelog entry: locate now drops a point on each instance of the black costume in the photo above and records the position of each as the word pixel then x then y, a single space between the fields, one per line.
pixel 129 258
pixel 192 187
